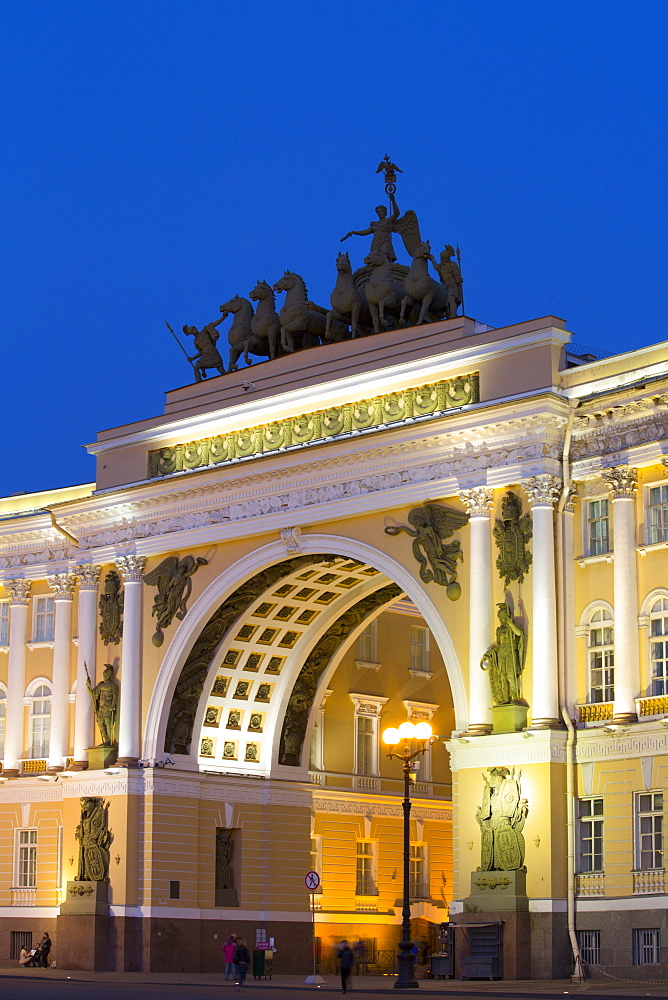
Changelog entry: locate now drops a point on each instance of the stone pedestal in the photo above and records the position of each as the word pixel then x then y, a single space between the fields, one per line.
pixel 509 718
pixel 101 757
pixel 82 928
pixel 498 892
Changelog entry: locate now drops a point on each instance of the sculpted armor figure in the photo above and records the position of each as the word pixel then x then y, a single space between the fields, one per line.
pixel 94 839
pixel 505 659
pixel 105 705
pixel 501 818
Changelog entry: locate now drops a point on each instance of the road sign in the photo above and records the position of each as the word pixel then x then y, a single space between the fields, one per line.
pixel 312 881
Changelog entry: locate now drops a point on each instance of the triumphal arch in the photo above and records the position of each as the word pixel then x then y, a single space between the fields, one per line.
pixel 402 514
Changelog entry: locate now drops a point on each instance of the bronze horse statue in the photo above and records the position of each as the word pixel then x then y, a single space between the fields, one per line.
pixel 349 303
pixel 266 324
pixel 302 322
pixel 240 335
pixel 424 290
pixel 382 292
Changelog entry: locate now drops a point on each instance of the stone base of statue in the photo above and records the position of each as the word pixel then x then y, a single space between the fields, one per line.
pixel 101 757
pixel 498 902
pixel 82 927
pixel 509 718
pixel 498 891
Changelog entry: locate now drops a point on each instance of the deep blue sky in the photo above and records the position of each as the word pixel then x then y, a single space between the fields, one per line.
pixel 158 156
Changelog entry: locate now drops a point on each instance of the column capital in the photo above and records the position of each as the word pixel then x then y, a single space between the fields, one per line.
pixel 19 590
pixel 542 491
pixel 131 568
pixel 622 482
pixel 88 576
pixel 62 585
pixel 478 501
pixel 572 493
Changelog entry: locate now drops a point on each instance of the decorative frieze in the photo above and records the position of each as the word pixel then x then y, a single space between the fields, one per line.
pixel 478 501
pixel 322 425
pixel 543 491
pixel 622 482
pixel 131 568
pixel 19 591
pixel 62 585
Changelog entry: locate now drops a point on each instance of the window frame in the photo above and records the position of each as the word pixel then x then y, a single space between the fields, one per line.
pixel 22 877
pixel 589 943
pixel 367 707
pixel 587 820
pixel 38 615
pixel 367 643
pixel 655 681
pixel 421 883
pixel 419 664
pixel 607 652
pixel 366 884
pixel 640 948
pixel 33 698
pixel 655 813
pixel 596 546
pixel 4 624
pixel 656 533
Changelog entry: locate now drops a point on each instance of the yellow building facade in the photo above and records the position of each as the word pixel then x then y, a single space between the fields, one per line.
pixel 278 570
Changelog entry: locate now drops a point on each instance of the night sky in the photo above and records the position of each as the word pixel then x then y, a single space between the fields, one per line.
pixel 159 156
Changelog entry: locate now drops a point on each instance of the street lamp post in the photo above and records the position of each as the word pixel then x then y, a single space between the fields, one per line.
pixel 393 737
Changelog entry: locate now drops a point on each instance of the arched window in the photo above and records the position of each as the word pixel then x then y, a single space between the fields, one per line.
pixel 601 657
pixel 658 630
pixel 3 713
pixel 40 721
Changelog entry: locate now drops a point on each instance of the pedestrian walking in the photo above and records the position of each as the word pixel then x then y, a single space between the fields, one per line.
pixel 241 960
pixel 346 960
pixel 229 949
pixel 44 949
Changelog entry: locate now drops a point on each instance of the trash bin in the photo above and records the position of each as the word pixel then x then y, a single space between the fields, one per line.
pixel 258 964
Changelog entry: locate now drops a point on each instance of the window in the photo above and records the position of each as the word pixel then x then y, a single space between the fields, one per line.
pixel 646 946
pixel 601 657
pixel 4 623
pixel 598 527
pixel 658 514
pixel 174 889
pixel 649 830
pixel 365 734
pixel 418 872
pixel 43 619
pixel 367 643
pixel 365 869
pixel 420 649
pixel 3 713
pixel 658 627
pixel 18 940
pixel 40 722
pixel 590 835
pixel 590 947
pixel 26 859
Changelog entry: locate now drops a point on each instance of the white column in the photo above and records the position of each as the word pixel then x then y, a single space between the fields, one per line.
pixel 16 674
pixel 87 620
pixel 129 731
pixel 622 482
pixel 543 492
pixel 62 585
pixel 481 622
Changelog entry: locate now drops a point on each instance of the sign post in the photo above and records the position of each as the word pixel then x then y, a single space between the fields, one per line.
pixel 312 881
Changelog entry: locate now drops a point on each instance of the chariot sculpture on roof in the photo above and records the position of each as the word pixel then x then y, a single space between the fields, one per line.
pixel 381 294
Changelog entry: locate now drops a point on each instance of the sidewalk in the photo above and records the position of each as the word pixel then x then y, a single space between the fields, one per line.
pixel 539 988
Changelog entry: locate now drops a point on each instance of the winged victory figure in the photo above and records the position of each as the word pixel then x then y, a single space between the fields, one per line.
pixel 172 577
pixel 431 524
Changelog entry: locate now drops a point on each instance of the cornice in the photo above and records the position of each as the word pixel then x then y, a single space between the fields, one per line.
pixel 509 749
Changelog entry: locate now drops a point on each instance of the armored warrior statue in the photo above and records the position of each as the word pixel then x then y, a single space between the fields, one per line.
pixel 105 705
pixel 451 276
pixel 501 818
pixel 208 355
pixel 94 839
pixel 505 659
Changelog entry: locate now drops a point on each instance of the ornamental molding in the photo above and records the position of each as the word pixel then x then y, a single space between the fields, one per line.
pixel 376 414
pixel 351 807
pixel 622 482
pixel 317 495
pixel 88 576
pixel 478 501
pixel 131 568
pixel 292 539
pixel 623 742
pixel 542 491
pixel 62 585
pixel 601 434
pixel 513 749
pixel 19 591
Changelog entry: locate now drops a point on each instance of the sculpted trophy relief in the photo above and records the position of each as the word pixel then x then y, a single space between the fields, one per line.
pixel 381 294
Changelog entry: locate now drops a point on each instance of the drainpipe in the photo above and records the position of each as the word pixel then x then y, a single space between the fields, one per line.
pixel 578 971
pixel 59 528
